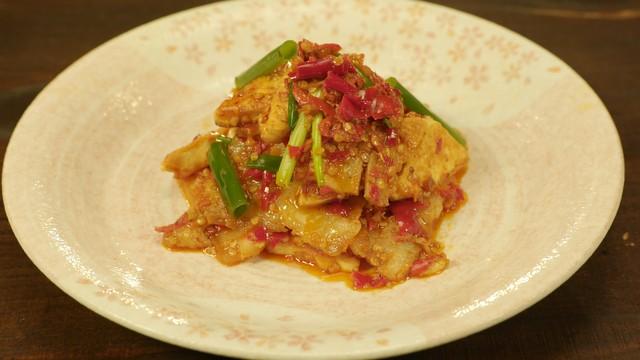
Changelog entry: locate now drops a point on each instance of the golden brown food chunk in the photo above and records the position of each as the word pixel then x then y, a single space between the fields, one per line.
pixel 234 246
pixel 264 102
pixel 205 202
pixel 431 154
pixel 248 104
pixel 306 254
pixel 381 247
pixel 187 237
pixel 190 158
pixel 316 226
pixel 275 127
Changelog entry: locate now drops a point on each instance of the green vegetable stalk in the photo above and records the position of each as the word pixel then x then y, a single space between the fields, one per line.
pixel 413 104
pixel 228 182
pixel 288 164
pixel 316 149
pixel 367 80
pixel 270 163
pixel 268 63
pixel 292 108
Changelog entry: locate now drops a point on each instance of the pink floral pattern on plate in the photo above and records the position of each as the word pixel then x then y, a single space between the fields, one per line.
pixel 85 213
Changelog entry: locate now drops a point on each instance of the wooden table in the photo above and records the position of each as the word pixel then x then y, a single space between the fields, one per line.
pixel 596 314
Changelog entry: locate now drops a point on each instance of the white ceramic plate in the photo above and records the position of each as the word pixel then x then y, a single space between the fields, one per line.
pixel 83 189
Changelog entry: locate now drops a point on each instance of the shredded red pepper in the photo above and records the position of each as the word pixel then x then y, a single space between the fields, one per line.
pixel 325 191
pixel 421 266
pixel 261 234
pixel 321 105
pixel 182 221
pixel 452 196
pixel 295 151
pixel 268 192
pixel 406 214
pixel 392 138
pixel 337 83
pixel 312 69
pixel 366 281
pixel 338 208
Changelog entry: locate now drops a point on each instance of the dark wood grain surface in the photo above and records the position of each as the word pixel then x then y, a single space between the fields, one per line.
pixel 594 315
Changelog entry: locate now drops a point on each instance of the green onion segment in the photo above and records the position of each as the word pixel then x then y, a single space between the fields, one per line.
pixel 367 80
pixel 316 149
pixel 288 164
pixel 228 182
pixel 269 163
pixel 413 104
pixel 292 108
pixel 268 63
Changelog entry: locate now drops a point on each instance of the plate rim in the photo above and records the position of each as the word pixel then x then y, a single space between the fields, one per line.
pixel 113 314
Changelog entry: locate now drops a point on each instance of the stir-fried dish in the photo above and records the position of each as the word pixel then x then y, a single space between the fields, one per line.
pixel 318 159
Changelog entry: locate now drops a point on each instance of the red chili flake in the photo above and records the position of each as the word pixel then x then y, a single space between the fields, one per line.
pixel 421 266
pixel 335 82
pixel 438 145
pixel 276 237
pixel 348 110
pixel 325 127
pixel 301 95
pixel 261 234
pixel 366 281
pixel 268 191
pixel 182 221
pixel 344 68
pixel 252 174
pixel 294 151
pixel 452 196
pixel 392 138
pixel 337 156
pixel 326 192
pixel 212 230
pixel 329 48
pixel 384 106
pixel 374 193
pixel 312 69
pixel 338 208
pixel 321 105
pixel 406 214
pixel 388 161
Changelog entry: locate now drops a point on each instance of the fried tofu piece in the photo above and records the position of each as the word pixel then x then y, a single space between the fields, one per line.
pixel 432 156
pixel 275 127
pixel 205 202
pixel 263 102
pixel 248 104
pixel 190 158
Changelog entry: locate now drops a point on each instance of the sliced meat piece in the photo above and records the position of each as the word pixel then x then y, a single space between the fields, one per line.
pixel 187 237
pixel 205 202
pixel 306 254
pixel 432 156
pixel 317 227
pixel 190 158
pixel 234 246
pixel 344 178
pixel 381 247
